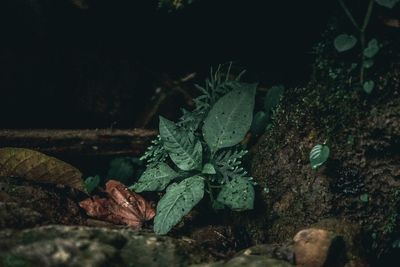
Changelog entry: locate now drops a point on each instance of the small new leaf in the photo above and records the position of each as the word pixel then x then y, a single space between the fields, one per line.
pixel 178 200
pixel 318 155
pixel 344 42
pixel 372 49
pixel 368 86
pixel 184 150
pixel 208 168
pixel 155 178
pixel 237 194
pixel 230 118
pixel 91 183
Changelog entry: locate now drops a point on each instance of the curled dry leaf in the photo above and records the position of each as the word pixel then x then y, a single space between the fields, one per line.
pixel 121 206
pixel 38 167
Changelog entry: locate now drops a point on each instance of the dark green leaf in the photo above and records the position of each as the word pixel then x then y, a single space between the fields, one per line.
pixel 372 49
pixel 368 86
pixel 155 178
pixel 91 183
pixel 230 118
pixel 260 121
pixel 178 200
pixel 183 148
pixel 237 194
pixel 121 169
pixel 273 97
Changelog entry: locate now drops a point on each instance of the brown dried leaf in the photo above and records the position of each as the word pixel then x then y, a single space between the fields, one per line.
pixel 121 206
pixel 38 167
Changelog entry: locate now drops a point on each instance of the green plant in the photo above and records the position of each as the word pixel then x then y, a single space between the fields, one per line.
pixel 344 42
pixel 91 183
pixel 201 153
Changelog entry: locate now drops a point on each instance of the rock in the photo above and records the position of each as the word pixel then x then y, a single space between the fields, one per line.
pixel 317 248
pixel 248 261
pixel 57 245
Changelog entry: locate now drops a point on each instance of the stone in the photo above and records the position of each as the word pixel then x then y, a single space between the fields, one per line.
pixel 317 247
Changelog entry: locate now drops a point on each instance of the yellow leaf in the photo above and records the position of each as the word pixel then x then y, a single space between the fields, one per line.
pixel 38 167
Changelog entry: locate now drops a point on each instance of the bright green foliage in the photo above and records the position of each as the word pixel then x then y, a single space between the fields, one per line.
pixel 91 183
pixel 155 153
pixel 202 145
pixel 387 3
pixel 229 165
pixel 237 194
pixel 372 49
pixel 178 200
pixel 368 86
pixel 230 118
pixel 318 155
pixel 155 178
pixel 344 42
pixel 183 149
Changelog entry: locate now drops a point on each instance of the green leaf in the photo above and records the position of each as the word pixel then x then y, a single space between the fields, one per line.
pixel 237 194
pixel 260 121
pixel 368 86
pixel 121 169
pixel 368 63
pixel 387 3
pixel 184 150
pixel 372 49
pixel 178 200
pixel 318 155
pixel 364 198
pixel 91 183
pixel 155 178
pixel 344 42
pixel 230 118
pixel 273 97
pixel 208 168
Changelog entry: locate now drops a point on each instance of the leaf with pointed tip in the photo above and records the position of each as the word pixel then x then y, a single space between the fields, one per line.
pixel 237 194
pixel 230 118
pixel 36 166
pixel 155 178
pixel 178 200
pixel 318 155
pixel 183 148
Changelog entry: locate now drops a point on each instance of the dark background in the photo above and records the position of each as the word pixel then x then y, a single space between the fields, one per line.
pixel 64 67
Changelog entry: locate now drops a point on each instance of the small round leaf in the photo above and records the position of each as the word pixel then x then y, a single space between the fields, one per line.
pixel 344 42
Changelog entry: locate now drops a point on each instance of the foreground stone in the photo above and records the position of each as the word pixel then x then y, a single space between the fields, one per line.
pixel 57 245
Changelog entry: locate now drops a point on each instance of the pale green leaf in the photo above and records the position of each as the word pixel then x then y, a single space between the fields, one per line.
pixel 344 42
pixel 372 49
pixel 178 200
pixel 318 155
pixel 387 3
pixel 237 194
pixel 230 118
pixel 184 150
pixel 208 168
pixel 368 86
pixel 155 178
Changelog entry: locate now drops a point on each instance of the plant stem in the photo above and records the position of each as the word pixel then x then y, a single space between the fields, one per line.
pixel 362 39
pixel 209 187
pixel 349 15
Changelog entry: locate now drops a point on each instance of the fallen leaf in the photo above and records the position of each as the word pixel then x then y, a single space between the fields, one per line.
pixel 38 167
pixel 122 206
